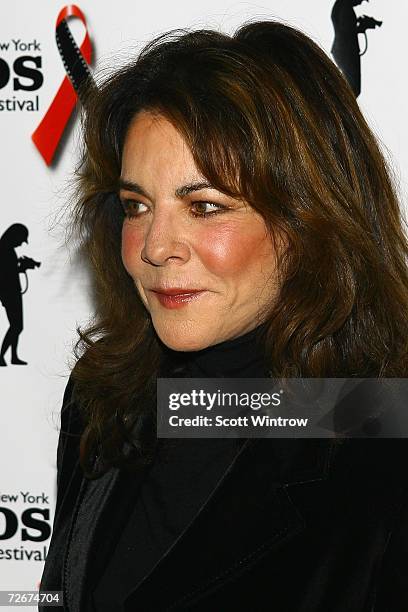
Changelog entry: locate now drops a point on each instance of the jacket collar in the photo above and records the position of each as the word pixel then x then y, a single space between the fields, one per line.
pixel 248 512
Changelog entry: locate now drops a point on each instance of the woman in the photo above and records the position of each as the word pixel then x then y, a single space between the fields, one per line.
pixel 240 168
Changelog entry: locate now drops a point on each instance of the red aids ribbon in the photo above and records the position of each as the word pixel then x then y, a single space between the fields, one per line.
pixel 49 132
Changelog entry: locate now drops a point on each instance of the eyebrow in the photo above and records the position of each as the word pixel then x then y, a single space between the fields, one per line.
pixel 180 192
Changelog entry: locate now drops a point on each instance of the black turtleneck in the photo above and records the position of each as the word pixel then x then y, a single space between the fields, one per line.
pixel 241 357
pixel 181 477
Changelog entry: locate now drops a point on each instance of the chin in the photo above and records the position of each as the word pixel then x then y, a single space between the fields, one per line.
pixel 181 337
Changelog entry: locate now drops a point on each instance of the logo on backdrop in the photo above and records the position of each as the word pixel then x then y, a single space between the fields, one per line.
pixel 346 48
pixel 21 71
pixel 11 294
pixel 76 61
pixel 26 517
pixel 20 74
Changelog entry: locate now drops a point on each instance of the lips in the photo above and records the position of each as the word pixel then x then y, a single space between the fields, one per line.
pixel 176 297
pixel 176 291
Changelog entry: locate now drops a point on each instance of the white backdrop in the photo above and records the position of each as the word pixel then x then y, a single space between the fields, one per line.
pixel 34 194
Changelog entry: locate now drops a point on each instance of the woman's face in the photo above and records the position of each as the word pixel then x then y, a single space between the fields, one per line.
pixel 168 243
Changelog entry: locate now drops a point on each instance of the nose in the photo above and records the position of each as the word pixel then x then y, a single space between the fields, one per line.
pixel 165 241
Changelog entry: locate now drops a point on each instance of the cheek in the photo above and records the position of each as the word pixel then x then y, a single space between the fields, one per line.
pixel 233 251
pixel 132 245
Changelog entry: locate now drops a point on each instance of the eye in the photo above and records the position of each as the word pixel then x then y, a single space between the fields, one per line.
pixel 131 208
pixel 201 206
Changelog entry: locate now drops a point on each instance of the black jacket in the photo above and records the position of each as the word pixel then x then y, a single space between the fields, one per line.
pixel 294 525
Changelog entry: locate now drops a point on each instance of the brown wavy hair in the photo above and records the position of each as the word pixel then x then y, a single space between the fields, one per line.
pixel 268 117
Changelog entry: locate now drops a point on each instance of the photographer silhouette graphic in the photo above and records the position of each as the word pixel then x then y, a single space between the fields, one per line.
pixel 11 267
pixel 346 48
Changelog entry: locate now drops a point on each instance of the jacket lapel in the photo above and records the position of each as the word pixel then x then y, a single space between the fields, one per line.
pixel 93 533
pixel 248 512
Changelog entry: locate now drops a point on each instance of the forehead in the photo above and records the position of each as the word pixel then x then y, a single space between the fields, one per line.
pixel 148 123
pixel 157 156
pixel 153 145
